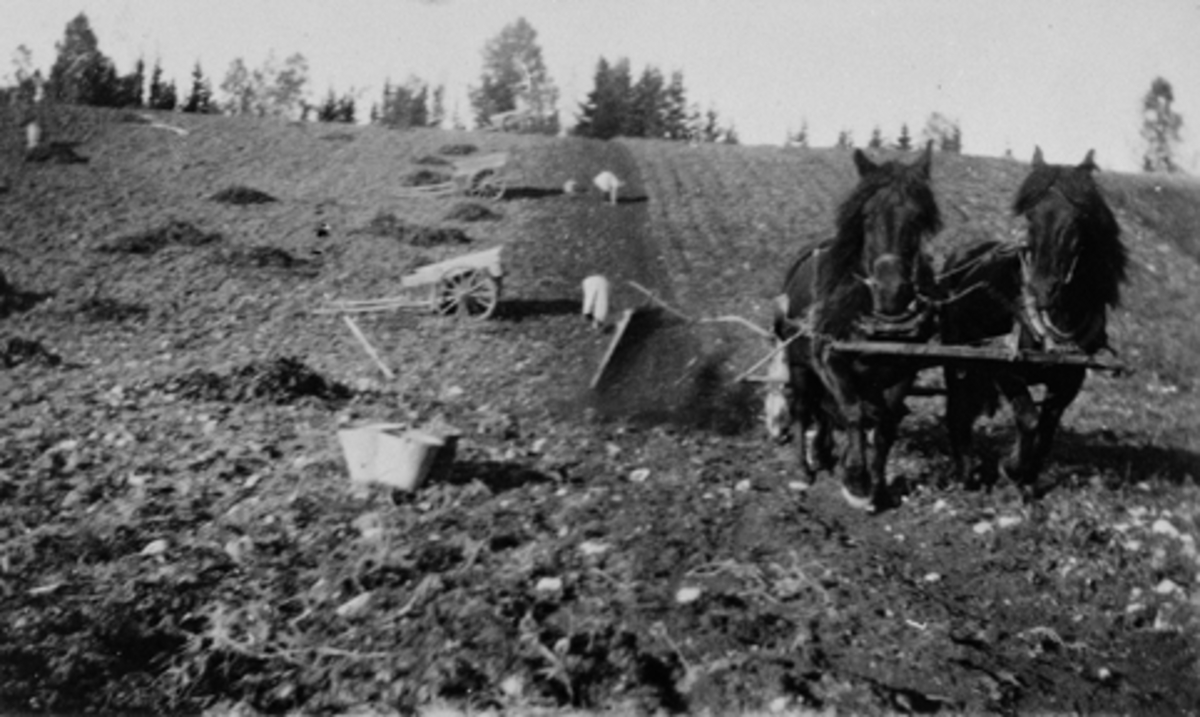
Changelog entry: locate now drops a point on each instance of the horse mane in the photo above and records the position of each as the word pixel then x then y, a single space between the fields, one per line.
pixel 1104 264
pixel 794 267
pixel 901 183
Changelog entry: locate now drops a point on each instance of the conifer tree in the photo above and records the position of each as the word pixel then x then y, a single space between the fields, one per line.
pixel 647 106
pixel 604 114
pixel 876 141
pixel 162 94
pixel 675 109
pixel 199 99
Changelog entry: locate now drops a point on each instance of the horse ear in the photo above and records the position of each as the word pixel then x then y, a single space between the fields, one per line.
pixel 1089 162
pixel 1038 160
pixel 864 163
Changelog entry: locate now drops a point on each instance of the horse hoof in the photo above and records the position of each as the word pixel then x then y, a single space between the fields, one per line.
pixel 857 502
pixel 1035 490
pixel 1007 471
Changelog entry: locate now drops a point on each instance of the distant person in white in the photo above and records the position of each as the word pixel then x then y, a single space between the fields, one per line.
pixel 595 300
pixel 608 183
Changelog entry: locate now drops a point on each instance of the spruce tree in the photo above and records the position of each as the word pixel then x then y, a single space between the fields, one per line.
pixel 162 94
pixel 199 99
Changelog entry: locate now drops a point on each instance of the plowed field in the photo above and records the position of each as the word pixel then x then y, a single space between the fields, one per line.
pixel 178 533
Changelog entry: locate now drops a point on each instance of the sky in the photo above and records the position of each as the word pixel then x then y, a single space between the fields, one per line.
pixel 1065 75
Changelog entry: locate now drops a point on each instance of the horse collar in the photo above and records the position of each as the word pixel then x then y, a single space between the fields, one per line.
pixel 1053 338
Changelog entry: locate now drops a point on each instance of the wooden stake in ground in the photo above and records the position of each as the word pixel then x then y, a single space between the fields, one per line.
pixel 362 339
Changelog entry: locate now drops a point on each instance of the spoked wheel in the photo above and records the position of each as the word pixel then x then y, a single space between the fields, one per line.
pixel 467 293
pixel 486 185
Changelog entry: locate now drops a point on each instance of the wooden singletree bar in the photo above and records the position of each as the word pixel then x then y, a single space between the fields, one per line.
pixel 938 353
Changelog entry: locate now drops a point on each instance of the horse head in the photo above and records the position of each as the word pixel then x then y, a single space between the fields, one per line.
pixel 1072 259
pixel 887 216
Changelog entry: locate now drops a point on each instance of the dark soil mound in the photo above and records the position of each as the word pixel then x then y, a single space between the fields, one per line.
pixel 55 153
pixel 386 224
pixel 471 212
pixel 16 351
pixel 267 257
pixel 242 195
pixel 280 381
pixel 152 240
pixel 424 178
pixel 432 160
pixel 103 309
pixel 15 301
pixel 458 150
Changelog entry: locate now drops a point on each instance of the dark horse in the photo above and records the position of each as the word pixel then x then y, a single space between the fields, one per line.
pixel 869 282
pixel 1051 292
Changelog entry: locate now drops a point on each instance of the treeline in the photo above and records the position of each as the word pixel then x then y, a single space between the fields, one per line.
pixel 83 75
pixel 514 93
pixel 653 106
pixel 945 133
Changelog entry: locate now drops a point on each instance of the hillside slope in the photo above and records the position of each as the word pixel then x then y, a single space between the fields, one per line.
pixel 177 531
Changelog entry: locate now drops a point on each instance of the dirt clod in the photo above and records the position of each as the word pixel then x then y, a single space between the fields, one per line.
pixel 17 351
pixel 106 309
pixel 267 257
pixel 280 381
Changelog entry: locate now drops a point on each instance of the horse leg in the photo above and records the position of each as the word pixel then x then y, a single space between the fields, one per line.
pixel 805 403
pixel 822 447
pixel 855 477
pixel 800 426
pixel 821 418
pixel 882 441
pixel 964 403
pixel 852 470
pixel 1017 465
pixel 891 411
pixel 1061 391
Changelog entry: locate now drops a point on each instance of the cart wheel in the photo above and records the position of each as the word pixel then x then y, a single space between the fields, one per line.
pixel 485 185
pixel 492 189
pixel 467 293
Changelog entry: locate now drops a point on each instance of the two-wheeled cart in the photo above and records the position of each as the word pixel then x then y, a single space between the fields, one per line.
pixel 465 286
pixel 480 176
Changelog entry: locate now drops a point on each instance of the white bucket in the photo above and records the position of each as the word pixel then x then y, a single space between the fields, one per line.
pixel 383 453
